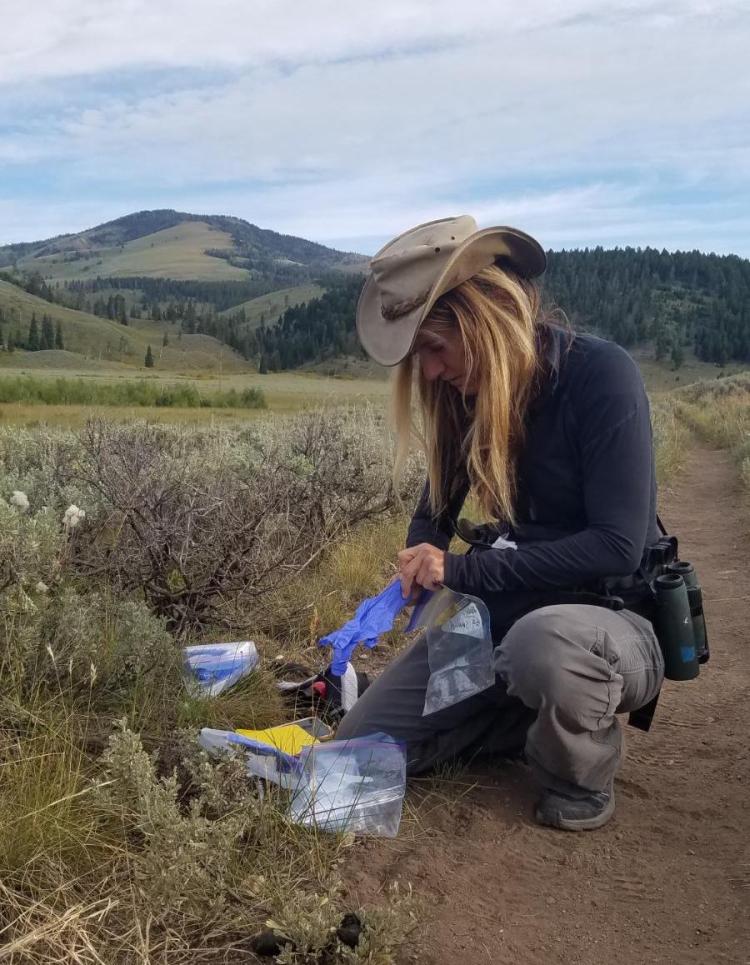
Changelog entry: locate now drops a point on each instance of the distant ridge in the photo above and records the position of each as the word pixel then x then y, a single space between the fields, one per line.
pixel 238 243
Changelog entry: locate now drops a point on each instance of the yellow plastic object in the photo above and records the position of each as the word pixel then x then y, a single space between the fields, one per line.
pixel 288 738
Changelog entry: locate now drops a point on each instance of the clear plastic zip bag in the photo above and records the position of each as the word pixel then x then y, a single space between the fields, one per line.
pixel 352 785
pixel 459 648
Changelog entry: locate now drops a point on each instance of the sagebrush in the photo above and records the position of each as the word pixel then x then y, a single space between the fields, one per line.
pixel 118 545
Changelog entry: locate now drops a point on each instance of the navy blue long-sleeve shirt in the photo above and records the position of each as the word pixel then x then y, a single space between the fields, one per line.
pixel 585 477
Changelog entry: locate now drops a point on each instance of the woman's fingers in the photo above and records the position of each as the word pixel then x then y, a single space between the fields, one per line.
pixel 428 574
pixel 409 572
pixel 406 573
pixel 425 567
pixel 405 556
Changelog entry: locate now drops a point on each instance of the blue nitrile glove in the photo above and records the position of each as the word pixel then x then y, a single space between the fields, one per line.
pixel 373 617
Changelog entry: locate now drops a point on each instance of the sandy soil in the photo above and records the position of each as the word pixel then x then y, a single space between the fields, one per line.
pixel 668 880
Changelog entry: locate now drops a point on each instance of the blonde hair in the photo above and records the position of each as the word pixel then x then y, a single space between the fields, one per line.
pixel 497 315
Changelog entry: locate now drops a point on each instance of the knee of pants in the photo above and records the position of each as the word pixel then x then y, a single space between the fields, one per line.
pixel 535 659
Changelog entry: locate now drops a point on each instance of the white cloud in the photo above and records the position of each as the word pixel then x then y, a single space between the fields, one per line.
pixel 351 124
pixel 55 38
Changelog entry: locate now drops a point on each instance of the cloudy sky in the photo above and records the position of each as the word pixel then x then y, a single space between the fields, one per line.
pixel 582 122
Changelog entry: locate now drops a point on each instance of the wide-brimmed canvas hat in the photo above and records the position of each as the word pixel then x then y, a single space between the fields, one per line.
pixel 410 273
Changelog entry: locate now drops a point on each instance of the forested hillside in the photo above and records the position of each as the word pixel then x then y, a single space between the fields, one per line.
pixel 680 302
pixel 673 305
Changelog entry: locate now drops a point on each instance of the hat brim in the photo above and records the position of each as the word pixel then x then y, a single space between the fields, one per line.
pixel 389 342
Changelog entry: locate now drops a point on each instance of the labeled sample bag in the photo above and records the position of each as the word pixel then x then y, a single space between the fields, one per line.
pixel 459 648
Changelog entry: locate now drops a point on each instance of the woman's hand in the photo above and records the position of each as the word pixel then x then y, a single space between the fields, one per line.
pixel 423 565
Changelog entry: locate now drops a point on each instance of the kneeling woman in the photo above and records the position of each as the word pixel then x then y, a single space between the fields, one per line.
pixel 550 433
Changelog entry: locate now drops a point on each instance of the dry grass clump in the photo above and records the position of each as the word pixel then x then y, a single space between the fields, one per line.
pixel 325 596
pixel 671 439
pixel 713 389
pixel 719 411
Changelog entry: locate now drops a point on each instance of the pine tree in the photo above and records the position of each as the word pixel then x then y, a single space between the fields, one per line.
pixel 47 340
pixel 32 343
pixel 59 336
pixel 149 360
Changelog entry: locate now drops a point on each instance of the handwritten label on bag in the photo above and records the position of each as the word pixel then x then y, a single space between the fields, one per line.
pixel 467 621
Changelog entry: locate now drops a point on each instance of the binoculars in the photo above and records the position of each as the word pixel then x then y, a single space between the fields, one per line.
pixel 679 621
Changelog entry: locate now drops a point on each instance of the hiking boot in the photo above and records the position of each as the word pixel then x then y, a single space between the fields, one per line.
pixel 586 813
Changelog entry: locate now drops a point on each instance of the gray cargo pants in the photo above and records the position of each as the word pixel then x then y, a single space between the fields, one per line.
pixel 562 674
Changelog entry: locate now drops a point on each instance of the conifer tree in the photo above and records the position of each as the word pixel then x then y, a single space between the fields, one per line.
pixel 32 343
pixel 47 340
pixel 149 360
pixel 59 336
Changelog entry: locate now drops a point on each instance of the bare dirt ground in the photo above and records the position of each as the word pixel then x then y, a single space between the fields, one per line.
pixel 668 880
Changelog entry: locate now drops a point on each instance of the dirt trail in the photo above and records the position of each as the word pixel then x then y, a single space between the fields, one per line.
pixel 668 880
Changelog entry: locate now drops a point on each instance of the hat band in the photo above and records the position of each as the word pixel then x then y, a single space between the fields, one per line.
pixel 391 312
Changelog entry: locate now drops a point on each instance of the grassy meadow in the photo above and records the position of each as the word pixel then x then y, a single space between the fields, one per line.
pixel 131 392
pixel 283 393
pixel 335 383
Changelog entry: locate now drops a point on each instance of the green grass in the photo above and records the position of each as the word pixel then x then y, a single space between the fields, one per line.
pixel 177 253
pixel 284 392
pixel 32 391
